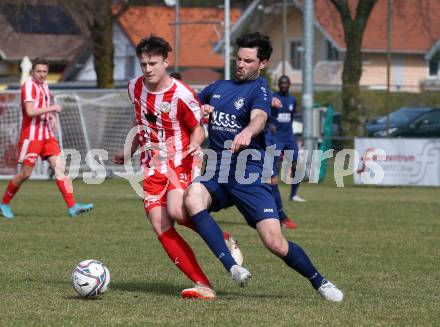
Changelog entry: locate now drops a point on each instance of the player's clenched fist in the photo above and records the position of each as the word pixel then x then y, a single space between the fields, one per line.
pixel 276 103
pixel 241 140
pixel 206 110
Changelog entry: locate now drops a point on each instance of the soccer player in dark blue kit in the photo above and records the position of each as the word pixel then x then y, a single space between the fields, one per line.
pixel 284 136
pixel 238 112
pixel 279 132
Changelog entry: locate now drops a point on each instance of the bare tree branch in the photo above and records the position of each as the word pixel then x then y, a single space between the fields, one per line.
pixel 363 12
pixel 343 9
pixel 353 112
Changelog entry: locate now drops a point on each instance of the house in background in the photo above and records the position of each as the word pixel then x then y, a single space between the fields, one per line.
pixel 415 44
pixel 200 29
pixel 44 31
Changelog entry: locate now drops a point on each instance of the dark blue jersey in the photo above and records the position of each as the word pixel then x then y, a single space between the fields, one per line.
pixel 282 117
pixel 233 102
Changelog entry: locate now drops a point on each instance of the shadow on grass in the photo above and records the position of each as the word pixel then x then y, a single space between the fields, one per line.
pixel 160 288
pixel 240 221
pixel 170 289
pixel 239 294
pixel 79 298
pixel 26 215
pixel 164 288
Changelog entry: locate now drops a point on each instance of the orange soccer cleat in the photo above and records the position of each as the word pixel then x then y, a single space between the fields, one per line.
pixel 287 223
pixel 199 291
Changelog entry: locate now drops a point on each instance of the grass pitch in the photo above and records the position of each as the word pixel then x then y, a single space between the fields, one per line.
pixel 379 245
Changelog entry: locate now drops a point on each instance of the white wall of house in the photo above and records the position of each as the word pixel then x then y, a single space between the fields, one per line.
pixel 408 70
pixel 126 65
pixel 87 73
pixel 327 69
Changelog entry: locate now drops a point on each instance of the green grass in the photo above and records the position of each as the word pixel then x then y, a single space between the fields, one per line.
pixel 379 245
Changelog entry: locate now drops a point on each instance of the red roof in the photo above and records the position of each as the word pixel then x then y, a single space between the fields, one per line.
pixel 415 25
pixel 196 39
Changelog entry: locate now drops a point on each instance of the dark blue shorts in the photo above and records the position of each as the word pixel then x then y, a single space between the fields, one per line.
pixel 254 201
pixel 282 145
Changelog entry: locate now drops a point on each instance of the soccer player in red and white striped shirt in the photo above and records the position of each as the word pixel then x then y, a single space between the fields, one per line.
pixel 38 140
pixel 167 115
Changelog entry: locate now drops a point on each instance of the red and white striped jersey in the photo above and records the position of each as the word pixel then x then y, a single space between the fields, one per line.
pixel 165 120
pixel 38 127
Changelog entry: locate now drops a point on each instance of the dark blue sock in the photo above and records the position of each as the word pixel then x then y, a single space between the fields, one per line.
pixel 213 236
pixel 277 196
pixel 281 214
pixel 293 190
pixel 297 259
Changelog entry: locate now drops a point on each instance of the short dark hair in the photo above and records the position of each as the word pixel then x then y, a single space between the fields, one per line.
pixel 153 45
pixel 256 40
pixel 39 61
pixel 284 78
pixel 176 75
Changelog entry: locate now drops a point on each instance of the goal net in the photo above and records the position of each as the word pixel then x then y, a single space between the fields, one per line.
pixel 90 120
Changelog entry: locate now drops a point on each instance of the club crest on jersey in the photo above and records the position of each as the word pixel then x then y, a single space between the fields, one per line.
pixel 193 104
pixel 290 107
pixel 239 103
pixel 165 107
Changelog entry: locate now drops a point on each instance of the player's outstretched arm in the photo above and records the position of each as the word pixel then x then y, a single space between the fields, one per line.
pixel 33 112
pixel 53 121
pixel 120 155
pixel 256 125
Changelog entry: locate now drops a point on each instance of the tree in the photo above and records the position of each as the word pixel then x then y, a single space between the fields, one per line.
pixel 96 19
pixel 353 114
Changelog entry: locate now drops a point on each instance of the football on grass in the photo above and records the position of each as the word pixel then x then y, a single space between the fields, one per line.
pixel 90 278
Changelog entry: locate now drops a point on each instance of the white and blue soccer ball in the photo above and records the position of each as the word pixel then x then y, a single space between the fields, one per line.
pixel 90 278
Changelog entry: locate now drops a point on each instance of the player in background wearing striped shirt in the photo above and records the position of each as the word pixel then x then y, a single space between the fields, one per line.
pixel 37 140
pixel 167 115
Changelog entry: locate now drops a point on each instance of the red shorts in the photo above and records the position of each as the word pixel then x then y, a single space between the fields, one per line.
pixel 157 186
pixel 29 151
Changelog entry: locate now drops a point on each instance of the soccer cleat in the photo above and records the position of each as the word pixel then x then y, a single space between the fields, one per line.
pixel 288 223
pixel 6 211
pixel 297 198
pixel 199 291
pixel 240 275
pixel 330 292
pixel 79 208
pixel 232 245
